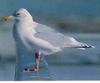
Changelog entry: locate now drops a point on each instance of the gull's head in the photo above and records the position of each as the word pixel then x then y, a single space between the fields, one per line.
pixel 21 14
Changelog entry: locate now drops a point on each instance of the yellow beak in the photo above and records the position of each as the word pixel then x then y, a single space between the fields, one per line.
pixel 6 18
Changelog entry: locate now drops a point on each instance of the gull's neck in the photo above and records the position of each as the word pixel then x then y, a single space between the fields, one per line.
pixel 26 26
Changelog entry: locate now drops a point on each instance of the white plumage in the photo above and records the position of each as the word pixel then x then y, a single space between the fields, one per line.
pixel 32 37
pixel 40 38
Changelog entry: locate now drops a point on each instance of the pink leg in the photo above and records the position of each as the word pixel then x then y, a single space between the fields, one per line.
pixel 37 62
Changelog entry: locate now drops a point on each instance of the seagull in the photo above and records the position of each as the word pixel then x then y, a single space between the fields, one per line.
pixel 39 38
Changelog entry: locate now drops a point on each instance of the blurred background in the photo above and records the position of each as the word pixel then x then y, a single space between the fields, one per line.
pixel 76 18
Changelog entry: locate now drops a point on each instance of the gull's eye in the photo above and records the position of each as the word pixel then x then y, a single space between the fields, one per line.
pixel 17 14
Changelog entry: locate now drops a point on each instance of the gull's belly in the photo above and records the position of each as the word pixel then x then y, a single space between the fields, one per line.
pixel 18 35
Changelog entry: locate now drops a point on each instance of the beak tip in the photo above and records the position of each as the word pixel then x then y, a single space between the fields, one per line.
pixel 6 18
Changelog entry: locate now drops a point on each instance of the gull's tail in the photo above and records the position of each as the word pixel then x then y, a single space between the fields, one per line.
pixel 73 43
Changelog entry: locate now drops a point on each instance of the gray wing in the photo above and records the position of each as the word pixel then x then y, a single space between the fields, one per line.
pixel 54 37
